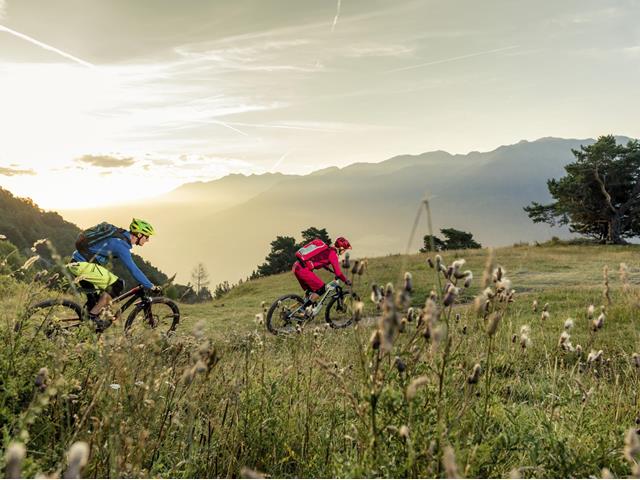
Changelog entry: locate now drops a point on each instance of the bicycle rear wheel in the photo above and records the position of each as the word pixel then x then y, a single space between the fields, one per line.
pixel 340 310
pixel 285 313
pixel 160 314
pixel 50 318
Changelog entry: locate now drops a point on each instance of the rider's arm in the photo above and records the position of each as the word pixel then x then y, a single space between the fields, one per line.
pixel 124 254
pixel 335 263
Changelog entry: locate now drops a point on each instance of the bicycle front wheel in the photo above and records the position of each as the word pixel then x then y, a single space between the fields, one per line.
pixel 160 314
pixel 285 313
pixel 340 310
pixel 50 318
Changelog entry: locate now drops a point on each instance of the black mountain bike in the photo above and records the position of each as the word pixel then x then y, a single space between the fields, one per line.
pixel 290 312
pixel 58 315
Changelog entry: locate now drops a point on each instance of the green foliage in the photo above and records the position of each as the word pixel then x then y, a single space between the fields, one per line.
pixel 454 240
pixel 600 195
pixel 312 233
pixel 325 403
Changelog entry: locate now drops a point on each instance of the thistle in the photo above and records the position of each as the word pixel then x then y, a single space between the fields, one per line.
pixel 590 312
pixel 568 324
pixel 449 463
pixel 77 458
pixel 494 322
pixel 598 323
pixel 414 385
pixel 534 306
pixel 468 278
pixel 13 456
pixel 408 282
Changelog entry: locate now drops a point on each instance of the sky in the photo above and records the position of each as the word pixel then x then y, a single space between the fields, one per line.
pixel 105 102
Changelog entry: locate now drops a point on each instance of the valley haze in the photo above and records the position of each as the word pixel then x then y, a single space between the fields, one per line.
pixel 229 223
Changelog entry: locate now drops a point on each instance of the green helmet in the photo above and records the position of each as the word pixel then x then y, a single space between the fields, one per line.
pixel 141 226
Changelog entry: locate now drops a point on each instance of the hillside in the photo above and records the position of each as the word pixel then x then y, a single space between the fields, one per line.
pixel 23 223
pixel 373 204
pixel 223 398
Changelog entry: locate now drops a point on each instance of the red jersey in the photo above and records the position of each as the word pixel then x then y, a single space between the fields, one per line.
pixel 326 259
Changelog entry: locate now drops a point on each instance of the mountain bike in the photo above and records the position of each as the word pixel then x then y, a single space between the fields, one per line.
pixel 291 311
pixel 59 315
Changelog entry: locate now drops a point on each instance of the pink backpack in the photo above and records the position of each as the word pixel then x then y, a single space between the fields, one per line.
pixel 310 250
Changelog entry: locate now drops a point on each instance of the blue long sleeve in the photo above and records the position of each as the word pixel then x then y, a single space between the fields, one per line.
pixel 116 248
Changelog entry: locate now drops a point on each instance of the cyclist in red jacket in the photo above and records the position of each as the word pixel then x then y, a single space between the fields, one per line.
pixel 317 254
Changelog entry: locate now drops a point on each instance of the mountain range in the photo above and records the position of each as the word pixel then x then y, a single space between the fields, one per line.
pixel 229 223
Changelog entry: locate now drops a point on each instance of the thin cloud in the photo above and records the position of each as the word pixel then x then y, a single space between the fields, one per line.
pixel 280 160
pixel 3 9
pixel 452 59
pixel 106 161
pixel 12 172
pixel 45 46
pixel 359 51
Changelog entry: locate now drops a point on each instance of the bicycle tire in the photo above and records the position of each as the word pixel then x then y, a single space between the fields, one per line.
pixel 164 321
pixel 288 326
pixel 339 312
pixel 50 317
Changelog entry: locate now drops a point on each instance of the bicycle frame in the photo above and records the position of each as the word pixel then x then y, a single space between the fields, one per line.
pixel 135 293
pixel 337 291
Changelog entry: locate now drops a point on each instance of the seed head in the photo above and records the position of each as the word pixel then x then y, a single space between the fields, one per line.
pixel 598 323
pixel 42 379
pixel 631 446
pixel 414 385
pixel 77 458
pixel 544 316
pixel 494 322
pixel 13 456
pixel 450 296
pixel 430 263
pixel 362 267
pixel 468 278
pixel 534 306
pixel 400 365
pixel 456 266
pixel 635 358
pixel 590 311
pixel 374 341
pixel 438 262
pixel 568 324
pixel 356 265
pixel 345 262
pixel 449 463
pixel 358 308
pixel 594 356
pixel 246 472
pixel 404 432
pixel 408 282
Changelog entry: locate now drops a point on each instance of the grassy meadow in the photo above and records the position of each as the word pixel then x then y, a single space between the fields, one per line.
pixel 437 381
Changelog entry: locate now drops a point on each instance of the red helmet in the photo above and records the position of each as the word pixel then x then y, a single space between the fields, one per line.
pixel 343 243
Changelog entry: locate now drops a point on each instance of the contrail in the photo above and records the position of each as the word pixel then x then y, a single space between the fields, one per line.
pixel 45 46
pixel 453 59
pixel 280 161
pixel 335 19
pixel 287 127
pixel 230 127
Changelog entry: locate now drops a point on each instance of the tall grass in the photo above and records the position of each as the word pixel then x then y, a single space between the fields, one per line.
pixel 461 380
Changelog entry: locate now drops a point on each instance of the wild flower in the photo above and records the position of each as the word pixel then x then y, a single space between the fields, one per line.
pixel 404 432
pixel 376 294
pixel 497 274
pixel 411 314
pixel 115 386
pixel 77 458
pixel 525 340
pixel 13 456
pixel 42 379
pixel 3 237
pixel 590 311
pixel 259 319
pixel 399 364
pixel 534 306
pixel 346 264
pixel 30 261
pixel 545 308
pixel 408 282
pixel 544 316
pixel 565 342
pixel 579 349
pixel 594 356
pixel 456 266
pixel 438 262
pixel 415 384
pixel 358 309
pixel 450 295
pixel 35 245
pixel 356 266
pixel 362 267
pixel 449 463
pixel 246 472
pixel 631 446
pixel 635 358
pixel 568 324
pixel 475 374
pixel 494 322
pixel 598 323
pixel 468 278
pixel 430 263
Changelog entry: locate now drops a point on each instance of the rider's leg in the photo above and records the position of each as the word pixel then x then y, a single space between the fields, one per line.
pixel 310 281
pixel 113 290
